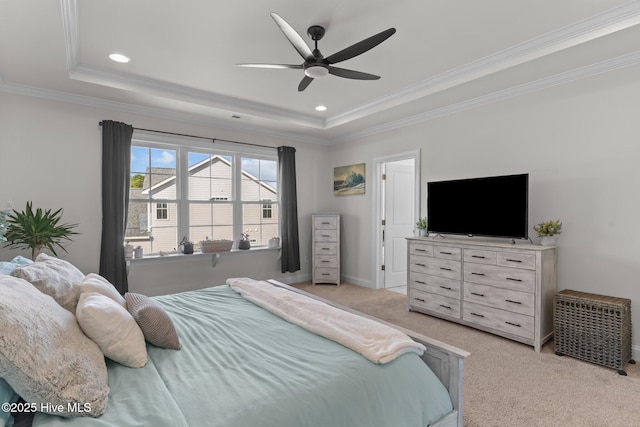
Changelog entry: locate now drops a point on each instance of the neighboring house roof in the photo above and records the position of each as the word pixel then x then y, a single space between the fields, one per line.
pixel 160 181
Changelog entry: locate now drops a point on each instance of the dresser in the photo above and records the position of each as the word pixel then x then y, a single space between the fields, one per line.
pixel 326 248
pixel 501 288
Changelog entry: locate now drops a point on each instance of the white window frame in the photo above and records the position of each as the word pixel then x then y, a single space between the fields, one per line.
pixel 182 146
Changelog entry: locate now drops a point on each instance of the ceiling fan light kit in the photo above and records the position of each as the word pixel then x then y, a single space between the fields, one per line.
pixel 315 65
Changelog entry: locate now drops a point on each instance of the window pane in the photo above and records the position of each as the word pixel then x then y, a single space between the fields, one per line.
pixel 259 227
pixel 210 177
pixel 213 221
pixel 153 173
pixel 153 226
pixel 259 179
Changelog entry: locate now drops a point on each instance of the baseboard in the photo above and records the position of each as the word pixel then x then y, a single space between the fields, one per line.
pixel 357 281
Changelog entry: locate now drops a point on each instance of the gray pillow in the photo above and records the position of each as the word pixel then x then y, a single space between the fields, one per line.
pixel 55 277
pixel 154 321
pixel 45 356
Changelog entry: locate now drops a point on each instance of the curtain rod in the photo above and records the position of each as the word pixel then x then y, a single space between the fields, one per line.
pixel 213 140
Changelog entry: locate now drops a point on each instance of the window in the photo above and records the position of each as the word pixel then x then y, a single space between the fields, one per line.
pixel 162 211
pixel 179 190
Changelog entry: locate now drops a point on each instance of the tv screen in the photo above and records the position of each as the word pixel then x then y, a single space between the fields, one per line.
pixel 494 206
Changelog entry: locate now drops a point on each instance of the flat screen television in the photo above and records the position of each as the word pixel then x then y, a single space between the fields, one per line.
pixel 495 206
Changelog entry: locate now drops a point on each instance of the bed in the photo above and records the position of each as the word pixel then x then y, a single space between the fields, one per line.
pixel 241 365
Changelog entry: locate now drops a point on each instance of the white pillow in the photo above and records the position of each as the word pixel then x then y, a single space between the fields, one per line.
pixel 55 277
pixel 45 356
pixel 93 282
pixel 111 326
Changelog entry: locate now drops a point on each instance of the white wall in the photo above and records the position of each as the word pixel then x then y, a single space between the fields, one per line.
pixel 579 142
pixel 50 153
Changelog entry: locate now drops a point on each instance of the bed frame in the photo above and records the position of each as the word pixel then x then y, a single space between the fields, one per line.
pixel 446 361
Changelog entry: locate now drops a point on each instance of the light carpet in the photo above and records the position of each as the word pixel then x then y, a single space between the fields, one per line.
pixel 507 383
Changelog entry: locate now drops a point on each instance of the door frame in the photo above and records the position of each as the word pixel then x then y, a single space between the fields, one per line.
pixel 378 162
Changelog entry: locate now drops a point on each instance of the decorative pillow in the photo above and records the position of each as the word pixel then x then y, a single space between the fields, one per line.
pixel 19 261
pixel 111 326
pixel 55 277
pixel 154 321
pixel 45 356
pixel 95 283
pixel 7 395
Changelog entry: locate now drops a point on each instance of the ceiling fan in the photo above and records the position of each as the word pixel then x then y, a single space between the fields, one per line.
pixel 315 65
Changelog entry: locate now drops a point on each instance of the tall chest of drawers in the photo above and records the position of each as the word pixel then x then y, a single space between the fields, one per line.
pixel 499 288
pixel 326 248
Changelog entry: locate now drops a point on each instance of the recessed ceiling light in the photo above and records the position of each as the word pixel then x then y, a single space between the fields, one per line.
pixel 119 58
pixel 321 108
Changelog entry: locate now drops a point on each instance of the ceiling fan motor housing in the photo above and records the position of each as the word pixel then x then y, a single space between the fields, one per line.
pixel 316 69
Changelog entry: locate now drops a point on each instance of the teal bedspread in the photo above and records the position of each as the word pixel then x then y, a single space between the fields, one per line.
pixel 242 366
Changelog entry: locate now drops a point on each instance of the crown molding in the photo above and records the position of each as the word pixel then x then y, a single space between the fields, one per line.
pixel 164 114
pixel 606 66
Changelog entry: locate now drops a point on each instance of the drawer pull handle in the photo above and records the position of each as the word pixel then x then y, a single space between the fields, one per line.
pixel 325 261
pixel 477 294
pixel 477 274
pixel 445 287
pixel 445 306
pixel 421 282
pixel 420 299
pixel 477 315
pixel 326 274
pixel 514 280
pixel 513 302
pixel 420 265
pixel 420 250
pixel 445 269
pixel 326 249
pixel 446 253
pixel 326 235
pixel 513 324
pixel 478 256
pixel 514 260
pixel 326 223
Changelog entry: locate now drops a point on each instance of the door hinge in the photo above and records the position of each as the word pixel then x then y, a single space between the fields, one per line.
pixel 384 222
pixel 384 176
pixel 382 267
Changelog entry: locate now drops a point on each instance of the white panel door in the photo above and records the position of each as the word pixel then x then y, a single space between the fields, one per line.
pixel 399 204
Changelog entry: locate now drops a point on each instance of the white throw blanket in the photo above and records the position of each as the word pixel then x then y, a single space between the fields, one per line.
pixel 375 341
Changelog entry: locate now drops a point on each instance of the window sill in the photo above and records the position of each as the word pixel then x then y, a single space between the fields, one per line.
pixel 178 257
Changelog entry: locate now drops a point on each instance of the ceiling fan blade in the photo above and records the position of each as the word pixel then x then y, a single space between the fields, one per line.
pixel 278 66
pixel 306 80
pixel 360 47
pixel 293 37
pixel 350 74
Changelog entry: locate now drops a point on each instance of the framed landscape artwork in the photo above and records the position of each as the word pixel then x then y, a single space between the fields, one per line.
pixel 349 180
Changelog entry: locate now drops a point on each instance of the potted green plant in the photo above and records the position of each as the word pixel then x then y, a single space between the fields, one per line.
pixel 422 227
pixel 37 230
pixel 547 230
pixel 244 242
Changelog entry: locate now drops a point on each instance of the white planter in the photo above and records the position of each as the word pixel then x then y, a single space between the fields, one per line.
pixel 548 241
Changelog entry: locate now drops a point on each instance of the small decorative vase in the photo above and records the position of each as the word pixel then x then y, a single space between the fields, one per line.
pixel 422 232
pixel 244 244
pixel 548 241
pixel 187 248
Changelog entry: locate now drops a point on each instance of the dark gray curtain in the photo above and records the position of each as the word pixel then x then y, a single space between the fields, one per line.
pixel 288 202
pixel 116 164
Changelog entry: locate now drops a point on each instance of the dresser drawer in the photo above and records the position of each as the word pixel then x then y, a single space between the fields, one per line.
pixel 515 301
pixel 446 252
pixel 436 267
pixel 325 248
pixel 322 274
pixel 503 277
pixel 517 260
pixel 325 222
pixel 420 249
pixel 434 284
pixel 435 303
pixel 325 235
pixel 480 256
pixel 325 261
pixel 505 321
